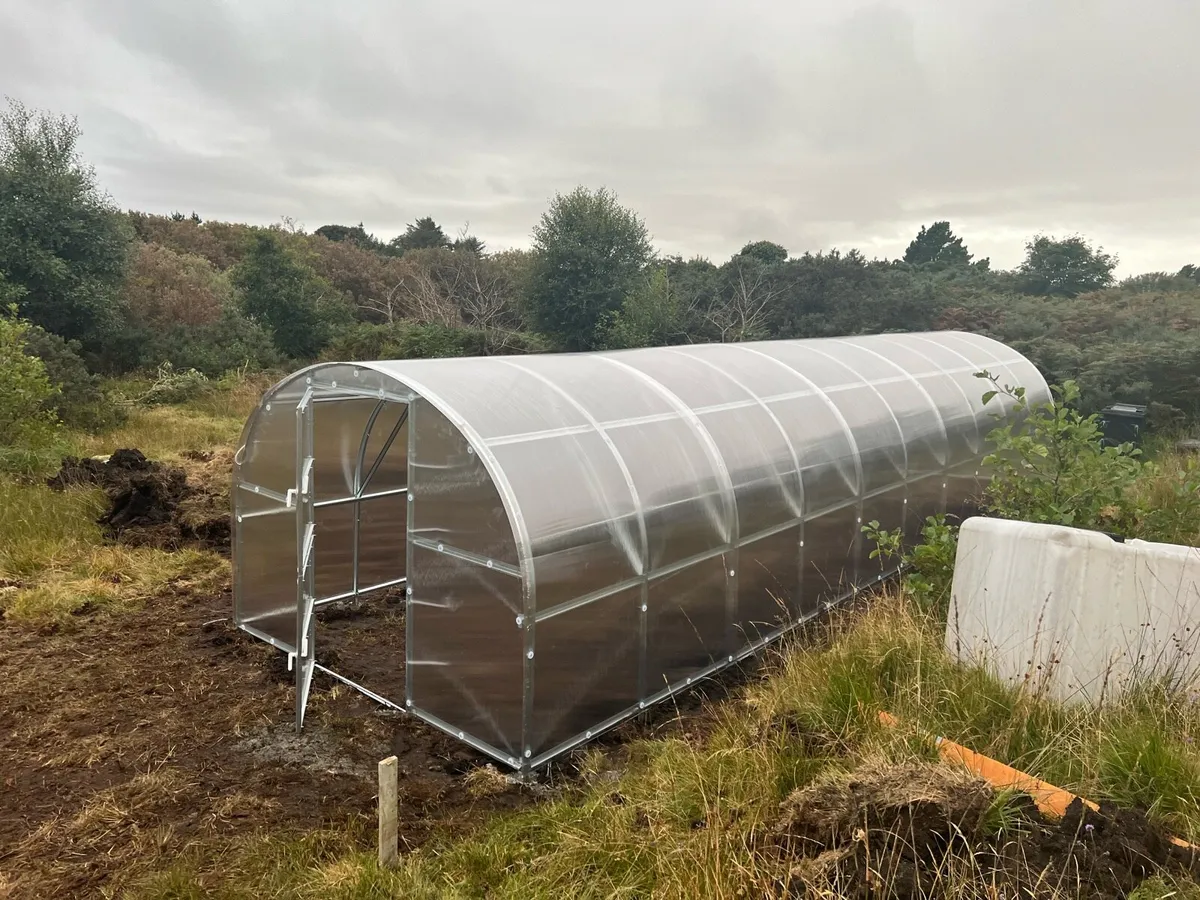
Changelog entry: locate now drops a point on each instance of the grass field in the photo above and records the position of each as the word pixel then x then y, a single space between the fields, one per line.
pixel 684 810
pixel 53 558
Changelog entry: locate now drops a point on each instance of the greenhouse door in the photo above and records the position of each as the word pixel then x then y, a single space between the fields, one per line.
pixel 351 535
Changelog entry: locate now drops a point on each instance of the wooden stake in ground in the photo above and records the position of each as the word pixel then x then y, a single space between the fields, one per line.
pixel 389 812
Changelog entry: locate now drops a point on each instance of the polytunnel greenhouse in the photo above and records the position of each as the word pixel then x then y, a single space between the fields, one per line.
pixel 569 539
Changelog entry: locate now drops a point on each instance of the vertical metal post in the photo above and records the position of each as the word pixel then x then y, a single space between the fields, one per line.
pixel 798 604
pixel 408 553
pixel 305 538
pixel 643 633
pixel 358 492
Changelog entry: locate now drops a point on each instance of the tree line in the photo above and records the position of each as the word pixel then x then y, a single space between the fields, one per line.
pixel 92 291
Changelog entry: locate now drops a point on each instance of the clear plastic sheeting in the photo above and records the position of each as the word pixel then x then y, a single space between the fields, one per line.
pixel 580 536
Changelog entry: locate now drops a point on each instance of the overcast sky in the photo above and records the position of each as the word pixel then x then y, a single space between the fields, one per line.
pixel 814 124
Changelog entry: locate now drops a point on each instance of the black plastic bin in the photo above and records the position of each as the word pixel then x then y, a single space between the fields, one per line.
pixel 1123 423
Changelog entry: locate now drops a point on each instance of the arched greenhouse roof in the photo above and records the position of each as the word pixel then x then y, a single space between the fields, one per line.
pixel 587 477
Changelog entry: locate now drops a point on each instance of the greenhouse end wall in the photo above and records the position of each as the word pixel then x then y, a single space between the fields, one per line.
pixel 580 536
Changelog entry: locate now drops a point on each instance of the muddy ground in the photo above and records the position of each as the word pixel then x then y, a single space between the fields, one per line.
pixel 132 737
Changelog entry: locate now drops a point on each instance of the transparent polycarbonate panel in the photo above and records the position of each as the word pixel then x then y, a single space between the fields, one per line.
pixel 381 540
pixel 467 664
pixel 586 667
pixel 829 554
pixel 1010 370
pixel 497 396
pixel 607 389
pixel 925 441
pixel 828 461
pixel 385 462
pixel 755 371
pixel 689 377
pixel 582 521
pixel 935 369
pixel 265 564
pixel 768 576
pixel 267 457
pixel 964 491
pixel 686 626
pixel 682 496
pixel 914 410
pixel 961 370
pixel 872 437
pixel 338 429
pixel 889 510
pixel 350 380
pixel 989 356
pixel 333 549
pixel 957 417
pixel 873 427
pixel 876 435
pixel 454 499
pixel 1026 374
pixel 766 485
pixel 816 361
pixel 926 498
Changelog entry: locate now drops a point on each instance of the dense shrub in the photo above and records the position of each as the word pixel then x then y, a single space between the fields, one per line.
pixel 1050 465
pixel 171 385
pixel 405 340
pixel 231 342
pixel 79 400
pixel 165 289
pixel 29 431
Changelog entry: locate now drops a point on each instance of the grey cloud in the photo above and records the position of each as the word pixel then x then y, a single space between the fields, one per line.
pixel 808 123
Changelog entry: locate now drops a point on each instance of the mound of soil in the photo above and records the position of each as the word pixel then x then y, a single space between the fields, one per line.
pixel 155 505
pixel 917 830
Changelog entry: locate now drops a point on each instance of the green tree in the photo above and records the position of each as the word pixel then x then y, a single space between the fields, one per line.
pixel 61 238
pixel 765 252
pixel 589 252
pixel 937 245
pixel 351 234
pixel 423 234
pixel 1190 272
pixel 468 243
pixel 653 315
pixel 28 429
pixel 1065 268
pixel 294 304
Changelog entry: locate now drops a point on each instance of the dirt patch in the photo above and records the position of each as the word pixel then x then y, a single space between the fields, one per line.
pixel 923 830
pixel 135 737
pixel 156 505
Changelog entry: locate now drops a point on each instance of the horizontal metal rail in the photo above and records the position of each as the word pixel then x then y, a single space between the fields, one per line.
pixel 467 556
pixel 348 595
pixel 378 495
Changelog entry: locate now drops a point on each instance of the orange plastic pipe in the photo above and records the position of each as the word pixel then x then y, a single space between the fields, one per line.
pixel 1050 800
